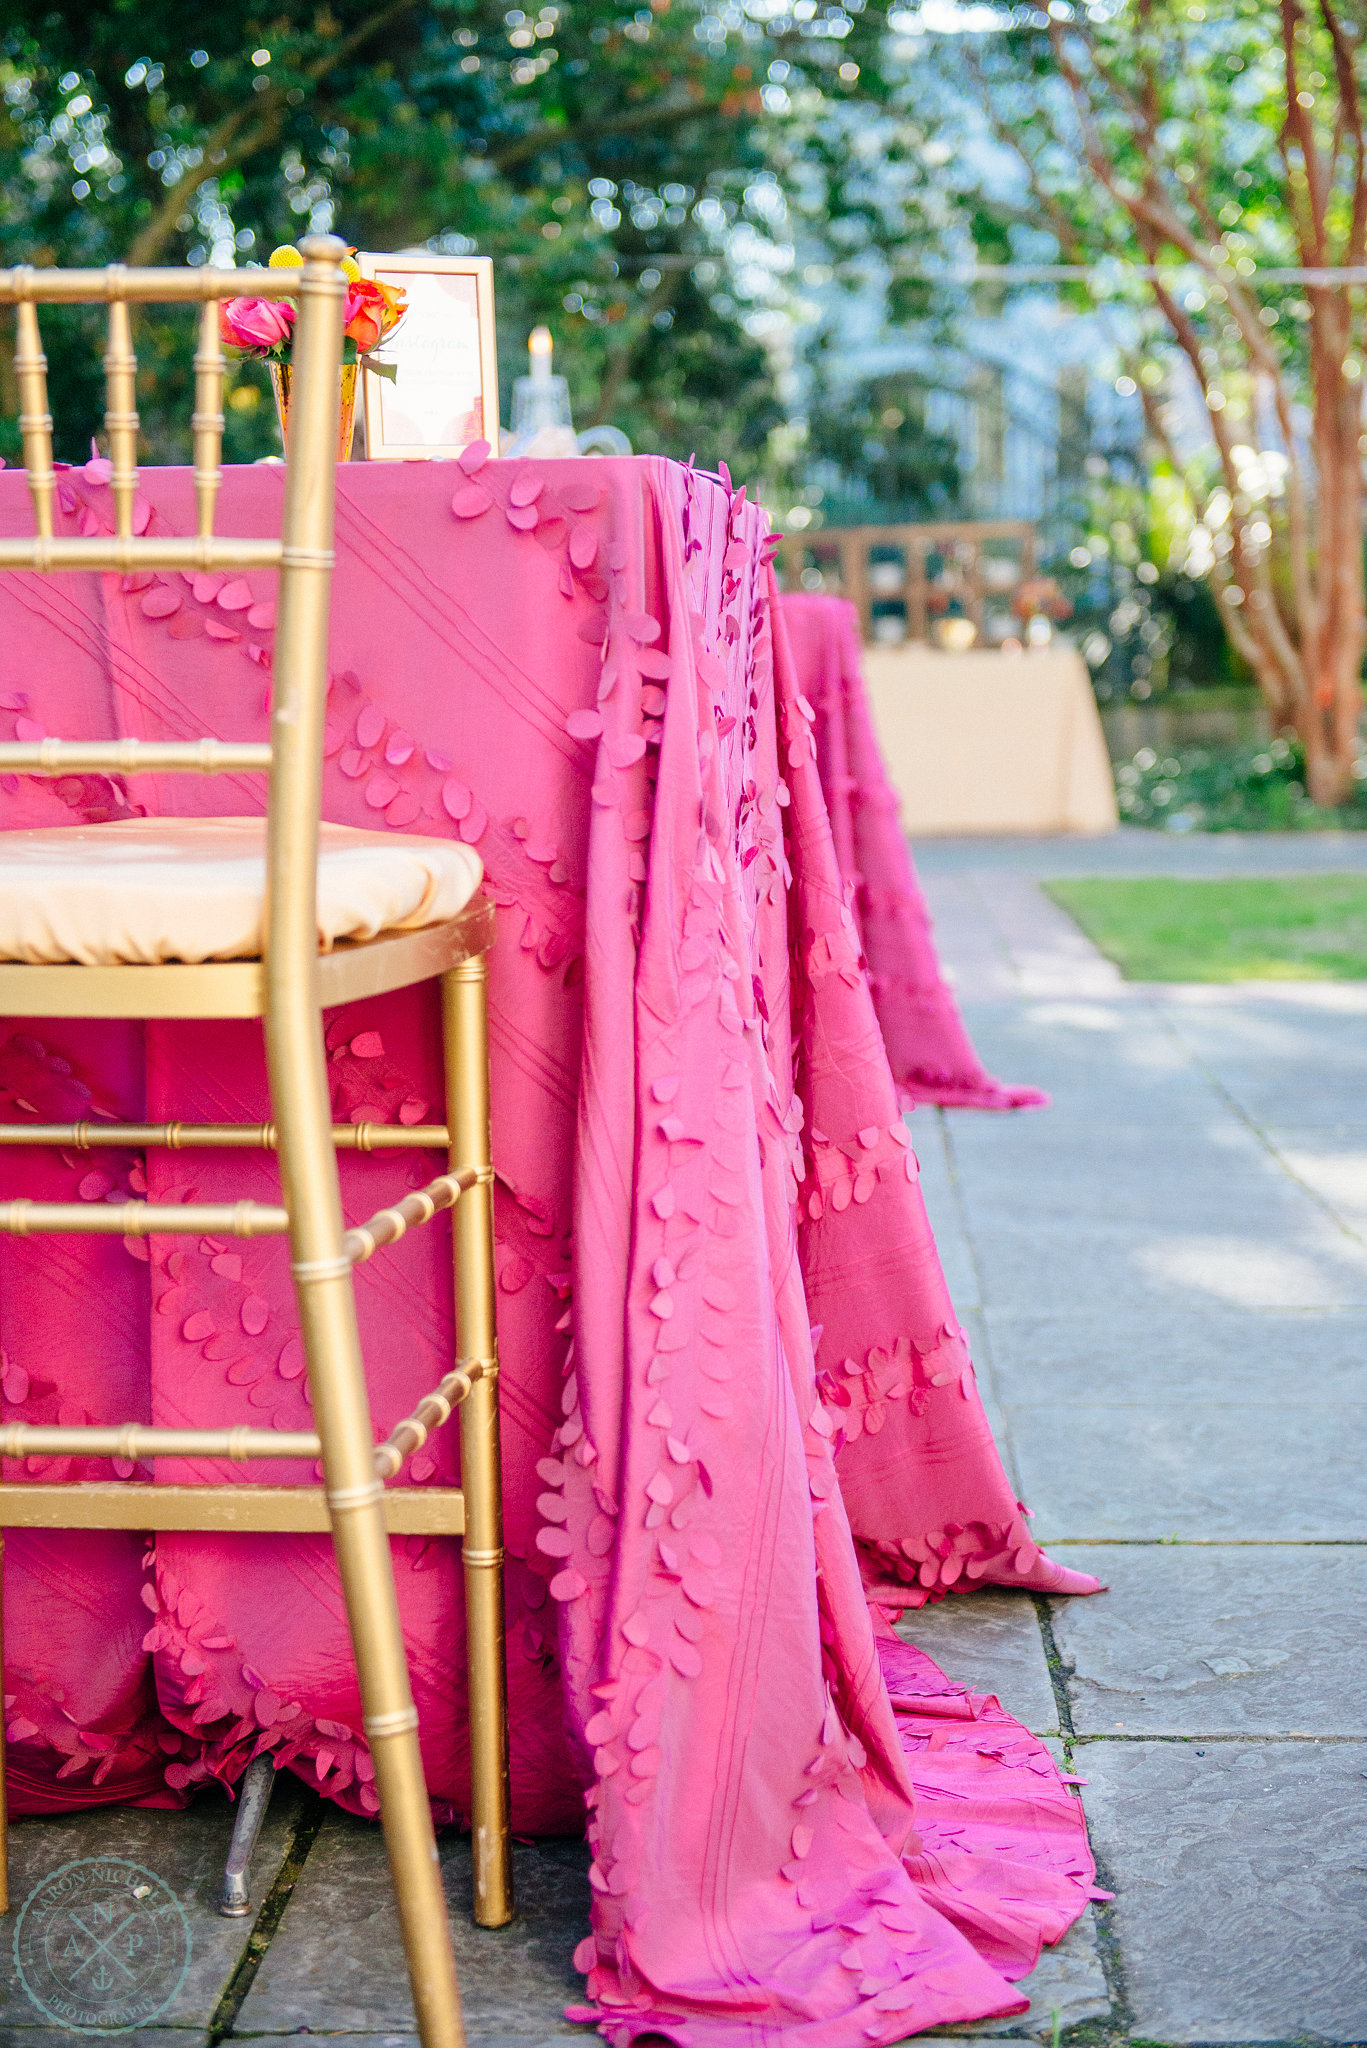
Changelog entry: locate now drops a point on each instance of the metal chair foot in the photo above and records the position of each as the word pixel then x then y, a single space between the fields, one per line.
pixel 252 1800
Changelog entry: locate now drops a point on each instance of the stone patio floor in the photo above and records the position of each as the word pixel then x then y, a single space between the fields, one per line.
pixel 1165 1275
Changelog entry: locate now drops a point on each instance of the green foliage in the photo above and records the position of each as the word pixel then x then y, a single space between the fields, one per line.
pixel 622 167
pixel 1200 653
pixel 1298 928
pixel 880 463
pixel 1217 146
pixel 1233 789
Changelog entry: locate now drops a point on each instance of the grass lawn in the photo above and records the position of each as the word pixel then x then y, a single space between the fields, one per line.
pixel 1301 928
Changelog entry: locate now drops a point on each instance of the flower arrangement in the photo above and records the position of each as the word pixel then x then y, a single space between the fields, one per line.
pixel 1040 596
pixel 262 330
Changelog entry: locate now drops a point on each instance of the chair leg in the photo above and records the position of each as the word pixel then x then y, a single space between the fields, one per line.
pixel 465 1037
pixel 336 1378
pixel 253 1799
pixel 4 1797
pixel 327 1315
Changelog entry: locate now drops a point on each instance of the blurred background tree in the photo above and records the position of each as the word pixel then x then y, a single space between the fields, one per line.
pixel 870 444
pixel 758 230
pixel 631 172
pixel 1218 147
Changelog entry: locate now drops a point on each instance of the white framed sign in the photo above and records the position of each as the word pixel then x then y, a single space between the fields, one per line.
pixel 445 391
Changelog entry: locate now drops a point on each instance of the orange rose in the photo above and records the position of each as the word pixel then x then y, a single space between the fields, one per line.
pixel 395 305
pixel 365 313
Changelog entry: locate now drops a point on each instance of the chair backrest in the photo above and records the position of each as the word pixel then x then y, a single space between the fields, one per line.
pixel 302 553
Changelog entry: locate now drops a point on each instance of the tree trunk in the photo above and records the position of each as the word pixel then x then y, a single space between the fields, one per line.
pixel 1328 775
pixel 1333 641
pixel 1327 725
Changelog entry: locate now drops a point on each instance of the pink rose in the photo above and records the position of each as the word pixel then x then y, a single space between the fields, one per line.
pixel 255 323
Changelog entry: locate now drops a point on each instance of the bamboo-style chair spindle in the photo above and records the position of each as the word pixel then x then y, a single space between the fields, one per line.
pixel 35 421
pixel 121 416
pixel 207 420
pixel 287 982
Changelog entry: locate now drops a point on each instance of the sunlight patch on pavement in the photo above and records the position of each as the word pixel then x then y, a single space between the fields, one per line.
pixel 1248 1274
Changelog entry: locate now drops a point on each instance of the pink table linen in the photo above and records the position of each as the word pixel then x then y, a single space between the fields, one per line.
pixel 928 1046
pixel 740 1423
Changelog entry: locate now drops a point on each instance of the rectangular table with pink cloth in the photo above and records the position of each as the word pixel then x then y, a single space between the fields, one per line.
pixel 740 1422
pixel 928 1045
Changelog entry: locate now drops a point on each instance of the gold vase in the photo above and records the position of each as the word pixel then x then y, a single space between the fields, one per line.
pixel 282 375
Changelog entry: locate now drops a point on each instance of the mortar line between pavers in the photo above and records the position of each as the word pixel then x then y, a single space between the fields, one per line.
pixel 1001 943
pixel 956 1195
pixel 1233 1103
pixel 1208 1542
pixel 1292 1739
pixel 1109 1951
pixel 987 1367
pixel 1107 1934
pixel 266 1924
pixel 1058 1676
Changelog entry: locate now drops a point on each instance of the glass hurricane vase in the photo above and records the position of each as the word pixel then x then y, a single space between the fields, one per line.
pixel 282 375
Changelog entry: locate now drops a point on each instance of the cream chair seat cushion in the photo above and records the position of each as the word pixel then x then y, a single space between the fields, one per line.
pixel 144 890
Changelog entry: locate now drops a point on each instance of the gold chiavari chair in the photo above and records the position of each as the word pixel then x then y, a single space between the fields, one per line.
pixel 287 980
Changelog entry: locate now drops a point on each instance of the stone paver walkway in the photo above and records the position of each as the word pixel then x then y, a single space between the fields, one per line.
pixel 1165 1275
pixel 1166 1278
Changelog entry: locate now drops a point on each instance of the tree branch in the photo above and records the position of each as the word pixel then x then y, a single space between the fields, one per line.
pixel 549 136
pixel 1288 659
pixel 245 130
pixel 1299 126
pixel 1350 103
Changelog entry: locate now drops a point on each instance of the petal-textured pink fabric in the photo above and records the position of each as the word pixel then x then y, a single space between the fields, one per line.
pixel 796 1821
pixel 928 1046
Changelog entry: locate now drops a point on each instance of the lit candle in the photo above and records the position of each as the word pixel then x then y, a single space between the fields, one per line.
pixel 539 349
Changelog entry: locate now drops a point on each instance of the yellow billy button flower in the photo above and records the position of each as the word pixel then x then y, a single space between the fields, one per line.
pixel 286 257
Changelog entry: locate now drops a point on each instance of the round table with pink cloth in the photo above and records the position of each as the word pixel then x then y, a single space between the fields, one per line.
pixel 741 1429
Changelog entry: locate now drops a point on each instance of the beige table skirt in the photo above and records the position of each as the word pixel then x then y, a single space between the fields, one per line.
pixel 988 742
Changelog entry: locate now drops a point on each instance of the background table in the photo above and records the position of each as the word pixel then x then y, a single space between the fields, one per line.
pixel 988 742
pixel 718 1288
pixel 928 1046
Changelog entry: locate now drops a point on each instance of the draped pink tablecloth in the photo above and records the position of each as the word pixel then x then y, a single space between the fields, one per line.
pixel 928 1046
pixel 740 1422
